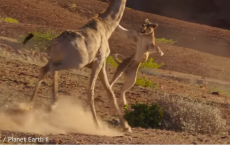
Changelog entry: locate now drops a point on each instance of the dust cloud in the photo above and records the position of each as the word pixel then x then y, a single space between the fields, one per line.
pixel 67 117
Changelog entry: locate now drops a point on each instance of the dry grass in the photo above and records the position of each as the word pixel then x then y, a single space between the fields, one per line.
pixel 23 55
pixel 187 115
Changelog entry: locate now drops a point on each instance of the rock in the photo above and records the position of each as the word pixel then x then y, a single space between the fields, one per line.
pixel 116 122
pixel 216 93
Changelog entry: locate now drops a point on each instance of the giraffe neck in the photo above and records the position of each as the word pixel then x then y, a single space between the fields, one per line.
pixel 113 14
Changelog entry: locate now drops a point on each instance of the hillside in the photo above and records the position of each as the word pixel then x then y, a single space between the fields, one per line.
pixel 214 42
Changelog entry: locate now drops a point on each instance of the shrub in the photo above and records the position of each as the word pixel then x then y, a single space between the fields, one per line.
pixel 9 20
pixel 143 115
pixel 166 41
pixel 72 5
pixel 41 40
pixel 190 116
pixel 150 64
pixel 110 60
pixel 145 83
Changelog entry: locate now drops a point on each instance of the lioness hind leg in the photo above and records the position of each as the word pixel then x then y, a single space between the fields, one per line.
pixel 43 72
pixel 116 75
pixel 129 81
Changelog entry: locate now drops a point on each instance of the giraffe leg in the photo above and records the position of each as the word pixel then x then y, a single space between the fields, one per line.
pixel 43 72
pixel 55 90
pixel 104 79
pixel 96 67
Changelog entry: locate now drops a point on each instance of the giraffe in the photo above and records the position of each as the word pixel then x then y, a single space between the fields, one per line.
pixel 86 47
pixel 145 44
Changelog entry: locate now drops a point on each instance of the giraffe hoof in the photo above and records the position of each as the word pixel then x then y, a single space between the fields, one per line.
pixel 128 129
pixel 99 126
pixel 31 105
pixel 52 107
pixel 102 128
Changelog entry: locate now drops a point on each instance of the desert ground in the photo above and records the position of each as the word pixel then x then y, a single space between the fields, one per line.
pixel 197 69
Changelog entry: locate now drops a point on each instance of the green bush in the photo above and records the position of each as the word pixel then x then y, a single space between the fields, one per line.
pixel 9 20
pixel 143 115
pixel 110 61
pixel 150 64
pixel 41 40
pixel 147 64
pixel 72 6
pixel 145 82
pixel 166 41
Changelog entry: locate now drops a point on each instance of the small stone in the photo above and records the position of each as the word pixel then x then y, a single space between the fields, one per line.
pixel 223 137
pixel 215 93
pixel 194 143
pixel 116 122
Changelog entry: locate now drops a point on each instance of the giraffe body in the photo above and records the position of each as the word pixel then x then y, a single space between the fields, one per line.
pixel 86 47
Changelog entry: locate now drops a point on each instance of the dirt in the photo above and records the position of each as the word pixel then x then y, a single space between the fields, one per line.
pixel 187 72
